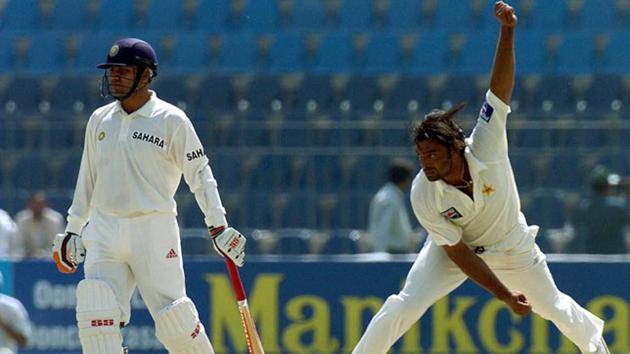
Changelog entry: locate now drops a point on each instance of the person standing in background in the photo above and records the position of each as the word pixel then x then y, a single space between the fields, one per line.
pixel 389 228
pixel 36 226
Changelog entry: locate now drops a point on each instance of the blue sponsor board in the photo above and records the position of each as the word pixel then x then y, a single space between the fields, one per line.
pixel 320 306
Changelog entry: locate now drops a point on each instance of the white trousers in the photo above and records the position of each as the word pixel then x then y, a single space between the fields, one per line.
pixel 433 275
pixel 130 252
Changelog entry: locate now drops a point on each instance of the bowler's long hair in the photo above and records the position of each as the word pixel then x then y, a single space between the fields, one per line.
pixel 440 126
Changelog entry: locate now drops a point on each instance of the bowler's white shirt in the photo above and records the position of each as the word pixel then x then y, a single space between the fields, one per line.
pixel 132 164
pixel 494 217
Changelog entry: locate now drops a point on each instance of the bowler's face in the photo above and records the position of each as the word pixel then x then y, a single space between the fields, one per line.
pixel 435 159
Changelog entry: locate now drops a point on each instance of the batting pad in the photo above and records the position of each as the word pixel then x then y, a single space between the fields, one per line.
pixel 178 327
pixel 98 316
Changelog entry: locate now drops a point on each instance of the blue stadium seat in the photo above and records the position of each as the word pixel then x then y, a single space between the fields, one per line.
pixel 531 53
pixel 60 200
pixel 115 14
pixel 576 54
pixel 324 173
pixel 212 15
pixel 226 168
pixel 291 137
pixel 191 53
pixel 72 88
pixel 217 93
pixel 196 245
pixel 261 15
pixel 597 15
pixel 530 138
pixel 604 90
pixel 430 53
pixel 7 55
pixel 409 88
pixel 21 15
pixel 70 169
pixel 362 91
pixel 291 245
pixel 315 88
pixel 476 54
pixel 355 14
pixel 257 210
pixel 47 53
pixel 25 91
pixel 523 172
pixel 548 15
pixel 93 50
pixel 404 15
pixel 191 215
pixel 262 91
pixel 164 15
pixel 340 243
pixel 171 88
pixel 382 53
pixel 335 53
pixel 463 88
pixel 570 179
pixel 353 208
pixel 616 55
pixel 546 210
pixel 30 171
pixel 452 14
pixel 71 15
pixel 370 181
pixel 286 53
pixel 308 14
pixel 239 52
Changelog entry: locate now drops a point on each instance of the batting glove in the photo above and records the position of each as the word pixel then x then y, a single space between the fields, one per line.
pixel 229 243
pixel 68 252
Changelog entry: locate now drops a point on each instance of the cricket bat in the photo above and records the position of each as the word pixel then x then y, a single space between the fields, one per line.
pixel 251 334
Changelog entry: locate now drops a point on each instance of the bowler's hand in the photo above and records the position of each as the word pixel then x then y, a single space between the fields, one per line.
pixel 518 303
pixel 505 14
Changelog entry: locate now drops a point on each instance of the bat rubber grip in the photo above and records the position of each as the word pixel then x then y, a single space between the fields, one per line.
pixel 235 279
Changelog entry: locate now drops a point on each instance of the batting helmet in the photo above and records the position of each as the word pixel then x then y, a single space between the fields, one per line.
pixel 131 51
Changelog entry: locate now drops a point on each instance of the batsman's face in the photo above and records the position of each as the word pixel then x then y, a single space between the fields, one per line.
pixel 120 79
pixel 435 159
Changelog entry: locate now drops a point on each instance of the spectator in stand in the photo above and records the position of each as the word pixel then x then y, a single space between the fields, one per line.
pixel 8 232
pixel 36 225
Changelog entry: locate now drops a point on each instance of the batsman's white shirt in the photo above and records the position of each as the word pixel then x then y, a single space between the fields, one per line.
pixel 493 219
pixel 132 165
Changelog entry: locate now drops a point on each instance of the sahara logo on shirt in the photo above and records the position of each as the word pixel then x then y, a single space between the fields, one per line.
pixel 486 111
pixel 194 154
pixel 157 141
pixel 451 213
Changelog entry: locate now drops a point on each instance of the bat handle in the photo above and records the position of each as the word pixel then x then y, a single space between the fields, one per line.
pixel 235 279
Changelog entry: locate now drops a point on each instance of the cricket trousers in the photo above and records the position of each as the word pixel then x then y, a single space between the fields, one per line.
pixel 433 275
pixel 142 251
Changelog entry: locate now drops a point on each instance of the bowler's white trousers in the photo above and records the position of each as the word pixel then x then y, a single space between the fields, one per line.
pixel 433 275
pixel 125 252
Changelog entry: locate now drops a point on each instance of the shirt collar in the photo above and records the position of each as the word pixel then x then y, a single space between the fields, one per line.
pixel 475 166
pixel 145 111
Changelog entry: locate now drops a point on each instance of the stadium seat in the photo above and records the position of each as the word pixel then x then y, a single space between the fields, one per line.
pixel 382 53
pixel 355 14
pixel 603 91
pixel 93 50
pixel 190 54
pixel 216 93
pixel 25 91
pixel 317 89
pixel 353 208
pixel 531 53
pixel 262 91
pixel 115 14
pixel 260 16
pixel 196 245
pixel 430 53
pixel 335 53
pixel 21 15
pixel 210 15
pixel 408 89
pixel 546 209
pixel 548 16
pixel 476 55
pixel 453 15
pixel 46 54
pixel 616 58
pixel 164 15
pixel 239 52
pixel 576 53
pixel 172 88
pixel 30 171
pixel 340 242
pixel 324 173
pixel 404 15
pixel 291 245
pixel 70 15
pixel 597 15
pixel 362 91
pixel 286 53
pixel 308 14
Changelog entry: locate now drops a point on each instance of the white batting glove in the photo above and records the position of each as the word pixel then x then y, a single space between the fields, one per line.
pixel 68 252
pixel 229 243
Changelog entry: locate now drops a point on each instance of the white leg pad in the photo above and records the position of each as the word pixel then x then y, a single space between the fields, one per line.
pixel 98 316
pixel 178 327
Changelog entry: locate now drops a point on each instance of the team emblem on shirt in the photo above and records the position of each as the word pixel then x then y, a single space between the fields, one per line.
pixel 451 213
pixel 486 111
pixel 487 190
